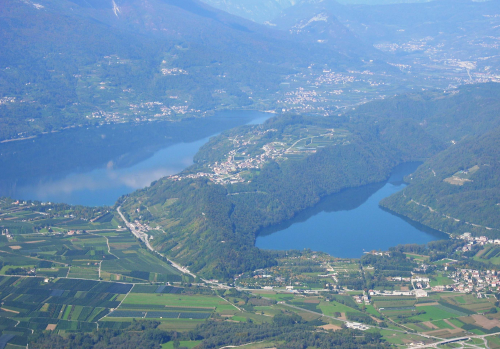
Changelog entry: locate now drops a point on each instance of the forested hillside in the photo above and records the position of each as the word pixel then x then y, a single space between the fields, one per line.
pixel 66 63
pixel 456 191
pixel 450 116
pixel 212 227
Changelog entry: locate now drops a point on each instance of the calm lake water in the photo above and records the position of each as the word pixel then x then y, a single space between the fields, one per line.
pixel 96 166
pixel 351 222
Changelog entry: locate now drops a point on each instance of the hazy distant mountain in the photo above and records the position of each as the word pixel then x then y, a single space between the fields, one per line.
pixel 259 11
pixel 91 61
pixel 433 37
pixel 415 20
pixel 383 22
pixel 316 21
pixel 263 11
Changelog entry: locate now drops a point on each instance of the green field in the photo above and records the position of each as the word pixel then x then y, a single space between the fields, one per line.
pixel 442 324
pixel 433 313
pixel 330 308
pixel 490 254
pixel 279 296
pixel 440 280
pixel 400 338
pixel 393 302
pixel 175 300
pixel 417 257
pixel 370 309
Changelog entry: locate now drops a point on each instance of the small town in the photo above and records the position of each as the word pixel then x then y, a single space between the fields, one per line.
pixel 239 161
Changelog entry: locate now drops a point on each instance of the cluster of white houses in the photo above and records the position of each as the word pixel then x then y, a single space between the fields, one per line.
pixel 475 240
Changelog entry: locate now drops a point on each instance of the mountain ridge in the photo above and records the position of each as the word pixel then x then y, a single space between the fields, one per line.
pixel 114 56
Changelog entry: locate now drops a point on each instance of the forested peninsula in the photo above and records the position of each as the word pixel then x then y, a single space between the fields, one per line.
pixel 207 217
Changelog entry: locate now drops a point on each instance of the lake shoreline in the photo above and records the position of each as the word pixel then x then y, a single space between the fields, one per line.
pixel 94 166
pixel 350 212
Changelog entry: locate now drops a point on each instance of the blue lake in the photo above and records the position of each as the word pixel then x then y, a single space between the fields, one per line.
pixel 349 223
pixel 95 166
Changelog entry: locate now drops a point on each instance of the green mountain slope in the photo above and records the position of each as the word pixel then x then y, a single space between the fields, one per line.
pixel 65 63
pixel 458 190
pixel 470 110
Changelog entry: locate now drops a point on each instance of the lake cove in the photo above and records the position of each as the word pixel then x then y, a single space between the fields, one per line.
pixel 349 223
pixel 95 166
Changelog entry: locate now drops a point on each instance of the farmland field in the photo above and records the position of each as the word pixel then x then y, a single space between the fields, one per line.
pixel 67 305
pixel 107 253
pixel 174 300
pixel 434 313
pixel 330 308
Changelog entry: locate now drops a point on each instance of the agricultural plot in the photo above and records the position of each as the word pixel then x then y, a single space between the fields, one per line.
pixel 139 265
pixel 401 339
pixel 494 342
pixel 33 303
pixel 417 257
pixel 309 304
pixel 175 300
pixel 344 267
pixel 398 312
pixel 468 304
pixel 440 280
pixel 490 254
pixel 444 261
pixel 279 297
pixel 173 310
pixel 170 306
pixel 436 312
pixel 80 249
pixel 479 324
pixel 83 273
pixel 387 304
pixel 335 309
pixel 127 313
pixel 54 272
pixel 444 315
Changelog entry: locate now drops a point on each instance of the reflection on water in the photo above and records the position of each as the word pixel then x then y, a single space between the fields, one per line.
pixel 350 222
pixel 346 200
pixel 104 185
pixel 96 166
